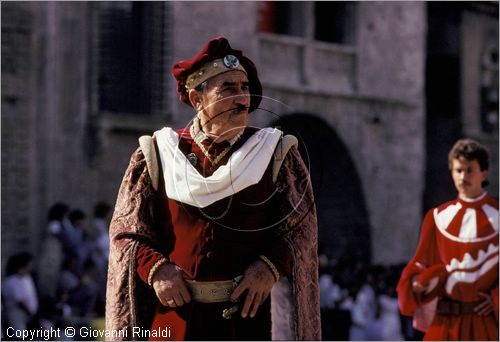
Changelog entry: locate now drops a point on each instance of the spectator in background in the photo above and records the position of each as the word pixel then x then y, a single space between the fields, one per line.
pixel 364 308
pixel 82 298
pixel 78 242
pixel 326 305
pixel 52 254
pixel 389 308
pixel 100 229
pixel 386 325
pixel 99 234
pixel 20 300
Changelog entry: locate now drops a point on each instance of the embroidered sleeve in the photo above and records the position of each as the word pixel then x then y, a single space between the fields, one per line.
pixel 148 261
pixel 135 216
pixel 300 236
pixel 280 256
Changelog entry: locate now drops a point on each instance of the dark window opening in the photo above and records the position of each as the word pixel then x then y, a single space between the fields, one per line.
pixel 282 17
pixel 130 54
pixel 489 88
pixel 335 21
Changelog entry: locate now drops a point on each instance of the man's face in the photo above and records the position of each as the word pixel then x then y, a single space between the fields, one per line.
pixel 224 104
pixel 467 176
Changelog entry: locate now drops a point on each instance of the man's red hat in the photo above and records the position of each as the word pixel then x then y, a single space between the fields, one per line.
pixel 219 52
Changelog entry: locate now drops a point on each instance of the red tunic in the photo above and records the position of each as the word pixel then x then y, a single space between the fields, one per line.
pixel 462 238
pixel 218 243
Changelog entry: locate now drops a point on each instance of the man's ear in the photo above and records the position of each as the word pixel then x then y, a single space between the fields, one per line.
pixel 486 173
pixel 195 99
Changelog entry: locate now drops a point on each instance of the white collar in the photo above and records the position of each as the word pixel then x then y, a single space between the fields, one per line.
pixel 245 167
pixel 473 200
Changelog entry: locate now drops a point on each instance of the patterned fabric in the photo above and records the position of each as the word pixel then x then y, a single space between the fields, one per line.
pixel 458 248
pixel 137 221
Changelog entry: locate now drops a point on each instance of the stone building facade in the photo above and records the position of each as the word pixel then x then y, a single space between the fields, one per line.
pixel 81 81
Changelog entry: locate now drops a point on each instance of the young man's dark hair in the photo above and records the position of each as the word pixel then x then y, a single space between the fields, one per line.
pixel 470 150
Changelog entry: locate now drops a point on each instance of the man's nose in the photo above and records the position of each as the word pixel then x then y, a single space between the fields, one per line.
pixel 242 97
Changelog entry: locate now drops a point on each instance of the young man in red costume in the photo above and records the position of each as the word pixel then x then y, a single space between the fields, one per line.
pixel 450 286
pixel 225 246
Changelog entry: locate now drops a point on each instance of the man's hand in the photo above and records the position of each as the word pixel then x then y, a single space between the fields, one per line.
pixel 486 306
pixel 258 280
pixel 168 283
pixel 418 288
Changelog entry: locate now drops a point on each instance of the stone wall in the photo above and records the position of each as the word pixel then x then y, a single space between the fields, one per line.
pixel 18 120
pixel 56 146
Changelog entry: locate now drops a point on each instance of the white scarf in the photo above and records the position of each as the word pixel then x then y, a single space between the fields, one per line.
pixel 245 167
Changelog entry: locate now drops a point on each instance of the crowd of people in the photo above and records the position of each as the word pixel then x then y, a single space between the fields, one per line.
pixel 65 284
pixel 359 302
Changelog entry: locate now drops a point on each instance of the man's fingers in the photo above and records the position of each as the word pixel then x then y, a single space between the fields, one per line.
pixel 255 305
pixel 238 291
pixel 168 301
pixel 481 306
pixel 163 301
pixel 186 296
pixel 178 299
pixel 417 287
pixel 248 301
pixel 485 310
pixel 486 306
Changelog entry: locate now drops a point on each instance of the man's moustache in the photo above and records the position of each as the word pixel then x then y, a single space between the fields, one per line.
pixel 240 108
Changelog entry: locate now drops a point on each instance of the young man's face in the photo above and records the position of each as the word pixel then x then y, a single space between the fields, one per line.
pixel 467 176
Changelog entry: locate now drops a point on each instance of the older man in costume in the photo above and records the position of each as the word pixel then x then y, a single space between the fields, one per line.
pixel 214 232
pixel 451 284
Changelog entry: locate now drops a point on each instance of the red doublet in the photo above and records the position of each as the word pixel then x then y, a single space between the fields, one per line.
pixel 462 237
pixel 218 243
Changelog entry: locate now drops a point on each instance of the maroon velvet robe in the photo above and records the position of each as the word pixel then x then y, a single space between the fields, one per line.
pixel 147 226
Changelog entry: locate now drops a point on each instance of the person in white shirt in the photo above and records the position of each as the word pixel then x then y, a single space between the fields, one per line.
pixel 20 299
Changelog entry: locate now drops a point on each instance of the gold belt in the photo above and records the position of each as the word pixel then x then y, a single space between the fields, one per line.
pixel 212 291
